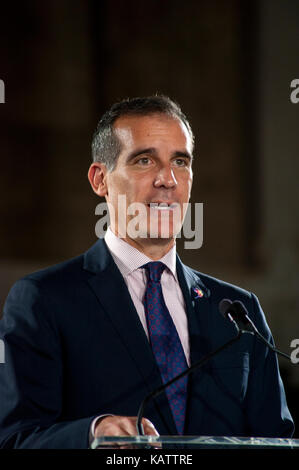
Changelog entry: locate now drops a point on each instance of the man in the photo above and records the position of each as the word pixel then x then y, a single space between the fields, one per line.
pixel 88 339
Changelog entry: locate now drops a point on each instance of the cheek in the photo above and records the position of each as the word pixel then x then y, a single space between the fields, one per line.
pixel 186 185
pixel 123 191
pixel 117 184
pixel 190 182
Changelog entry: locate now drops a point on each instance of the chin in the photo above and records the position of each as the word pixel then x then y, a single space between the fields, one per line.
pixel 154 228
pixel 162 232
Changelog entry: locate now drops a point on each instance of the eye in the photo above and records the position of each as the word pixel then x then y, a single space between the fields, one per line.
pixel 181 162
pixel 143 161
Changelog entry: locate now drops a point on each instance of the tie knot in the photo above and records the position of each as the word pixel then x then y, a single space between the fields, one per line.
pixel 154 270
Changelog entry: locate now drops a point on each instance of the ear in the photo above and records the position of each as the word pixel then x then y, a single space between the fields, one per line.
pixel 97 178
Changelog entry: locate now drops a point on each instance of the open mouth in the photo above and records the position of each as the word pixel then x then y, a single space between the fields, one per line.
pixel 162 206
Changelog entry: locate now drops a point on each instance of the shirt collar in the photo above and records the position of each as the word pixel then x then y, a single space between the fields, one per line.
pixel 128 258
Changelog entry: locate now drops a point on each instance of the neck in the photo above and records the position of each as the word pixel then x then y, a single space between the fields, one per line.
pixel 154 248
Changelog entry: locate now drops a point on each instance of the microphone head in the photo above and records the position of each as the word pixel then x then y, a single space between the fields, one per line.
pixel 240 309
pixel 224 306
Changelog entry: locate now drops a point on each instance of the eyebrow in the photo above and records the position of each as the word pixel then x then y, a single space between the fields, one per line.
pixel 153 151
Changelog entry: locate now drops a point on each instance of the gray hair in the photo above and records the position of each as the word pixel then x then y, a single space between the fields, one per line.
pixel 106 146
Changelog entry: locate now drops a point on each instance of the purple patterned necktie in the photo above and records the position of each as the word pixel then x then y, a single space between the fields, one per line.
pixel 165 342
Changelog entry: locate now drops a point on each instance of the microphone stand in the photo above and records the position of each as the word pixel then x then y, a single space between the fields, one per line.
pixel 190 369
pixel 238 315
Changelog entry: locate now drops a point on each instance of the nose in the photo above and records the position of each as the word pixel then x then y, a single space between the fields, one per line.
pixel 165 177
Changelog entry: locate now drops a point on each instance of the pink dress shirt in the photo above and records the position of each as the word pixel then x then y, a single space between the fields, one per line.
pixel 128 260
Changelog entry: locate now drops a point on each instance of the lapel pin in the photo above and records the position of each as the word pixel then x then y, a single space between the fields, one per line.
pixel 198 293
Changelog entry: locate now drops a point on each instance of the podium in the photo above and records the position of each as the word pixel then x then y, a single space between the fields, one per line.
pixel 193 442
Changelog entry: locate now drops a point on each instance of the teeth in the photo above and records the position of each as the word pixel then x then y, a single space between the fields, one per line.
pixel 161 206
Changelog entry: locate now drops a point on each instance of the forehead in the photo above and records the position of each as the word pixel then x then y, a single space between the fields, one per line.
pixel 155 129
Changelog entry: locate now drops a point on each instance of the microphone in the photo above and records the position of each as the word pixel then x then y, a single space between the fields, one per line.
pixel 187 371
pixel 237 313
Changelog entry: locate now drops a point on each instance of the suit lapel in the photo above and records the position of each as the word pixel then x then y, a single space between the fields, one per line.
pixel 197 301
pixel 112 293
pixel 198 309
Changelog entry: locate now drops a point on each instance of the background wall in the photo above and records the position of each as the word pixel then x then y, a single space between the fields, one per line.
pixel 229 64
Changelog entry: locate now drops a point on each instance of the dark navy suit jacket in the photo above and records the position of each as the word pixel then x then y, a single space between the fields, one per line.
pixel 75 348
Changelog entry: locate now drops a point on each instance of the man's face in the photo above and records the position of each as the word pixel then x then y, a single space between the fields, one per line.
pixel 154 169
